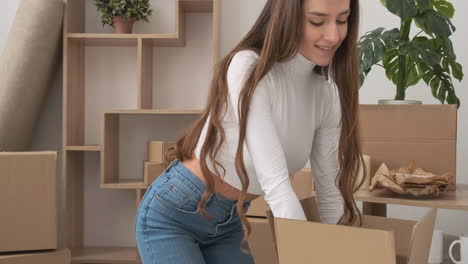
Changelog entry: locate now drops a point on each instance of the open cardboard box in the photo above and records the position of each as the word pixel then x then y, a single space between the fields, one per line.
pixel 379 240
pixel 398 134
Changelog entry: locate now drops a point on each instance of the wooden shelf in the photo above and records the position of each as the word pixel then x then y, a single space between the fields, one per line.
pixel 114 255
pixel 124 184
pixel 75 53
pixel 156 112
pixel 84 148
pixel 196 5
pixel 455 200
pixel 110 39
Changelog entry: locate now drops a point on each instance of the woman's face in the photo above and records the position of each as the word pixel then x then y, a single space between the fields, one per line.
pixel 325 25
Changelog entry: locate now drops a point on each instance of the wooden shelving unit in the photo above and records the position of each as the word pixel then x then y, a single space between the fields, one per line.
pixel 94 39
pixel 84 148
pixel 110 175
pixel 76 40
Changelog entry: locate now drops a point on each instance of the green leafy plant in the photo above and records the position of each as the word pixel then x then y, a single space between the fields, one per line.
pixel 428 55
pixel 129 9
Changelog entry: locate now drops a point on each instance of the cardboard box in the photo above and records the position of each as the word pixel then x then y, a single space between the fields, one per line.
pixel 261 242
pixel 152 170
pixel 379 240
pixel 302 184
pixel 397 134
pixel 157 150
pixel 59 256
pixel 28 201
pixel 365 185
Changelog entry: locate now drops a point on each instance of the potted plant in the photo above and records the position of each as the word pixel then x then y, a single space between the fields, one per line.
pixel 121 14
pixel 428 55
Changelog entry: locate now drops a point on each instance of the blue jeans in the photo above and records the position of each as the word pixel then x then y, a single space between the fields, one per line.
pixel 169 228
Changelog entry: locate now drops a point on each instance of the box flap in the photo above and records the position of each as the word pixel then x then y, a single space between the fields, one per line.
pixel 311 209
pixel 261 242
pixel 271 224
pixel 303 183
pixel 301 241
pixel 422 238
pixel 385 122
pixel 399 154
pixel 403 230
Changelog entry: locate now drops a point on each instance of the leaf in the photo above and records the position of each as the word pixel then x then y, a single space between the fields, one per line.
pixel 424 4
pixel 445 8
pixel 457 70
pixel 419 49
pixel 433 22
pixel 446 44
pixel 362 76
pixel 440 83
pixel 401 8
pixel 372 47
pixel 443 46
pixel 390 63
pixel 413 73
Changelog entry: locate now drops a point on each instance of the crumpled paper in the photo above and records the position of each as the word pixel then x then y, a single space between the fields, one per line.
pixel 410 180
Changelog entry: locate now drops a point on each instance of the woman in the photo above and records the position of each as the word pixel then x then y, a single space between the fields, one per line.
pixel 270 109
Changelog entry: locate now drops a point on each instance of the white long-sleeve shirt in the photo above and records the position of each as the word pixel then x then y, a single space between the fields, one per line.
pixel 294 116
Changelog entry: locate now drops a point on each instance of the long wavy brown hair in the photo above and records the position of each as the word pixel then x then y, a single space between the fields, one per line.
pixel 275 37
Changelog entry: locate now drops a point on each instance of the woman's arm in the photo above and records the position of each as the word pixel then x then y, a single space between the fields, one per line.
pixel 263 143
pixel 324 163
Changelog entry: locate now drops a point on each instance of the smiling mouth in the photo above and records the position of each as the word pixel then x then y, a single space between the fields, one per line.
pixel 324 48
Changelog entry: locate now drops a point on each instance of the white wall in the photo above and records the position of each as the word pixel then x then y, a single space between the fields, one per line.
pixel 116 226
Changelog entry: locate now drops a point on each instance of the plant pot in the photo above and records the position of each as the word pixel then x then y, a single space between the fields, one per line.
pixel 122 25
pixel 399 102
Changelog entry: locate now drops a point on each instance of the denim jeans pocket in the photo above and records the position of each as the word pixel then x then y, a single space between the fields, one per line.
pixel 230 222
pixel 174 196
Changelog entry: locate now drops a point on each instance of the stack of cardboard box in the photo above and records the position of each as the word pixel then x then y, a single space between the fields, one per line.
pixel 158 159
pixel 28 209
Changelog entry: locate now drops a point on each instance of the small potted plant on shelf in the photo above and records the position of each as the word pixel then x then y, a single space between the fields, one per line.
pixel 428 55
pixel 121 14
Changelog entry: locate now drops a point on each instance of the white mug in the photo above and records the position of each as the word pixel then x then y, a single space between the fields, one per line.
pixel 463 241
pixel 435 255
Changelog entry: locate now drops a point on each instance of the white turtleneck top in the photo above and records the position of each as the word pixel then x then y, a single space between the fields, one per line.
pixel 294 116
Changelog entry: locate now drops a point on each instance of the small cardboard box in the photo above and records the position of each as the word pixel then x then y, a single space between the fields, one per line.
pixel 302 184
pixel 157 150
pixel 397 134
pixel 59 256
pixel 379 240
pixel 28 201
pixel 152 170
